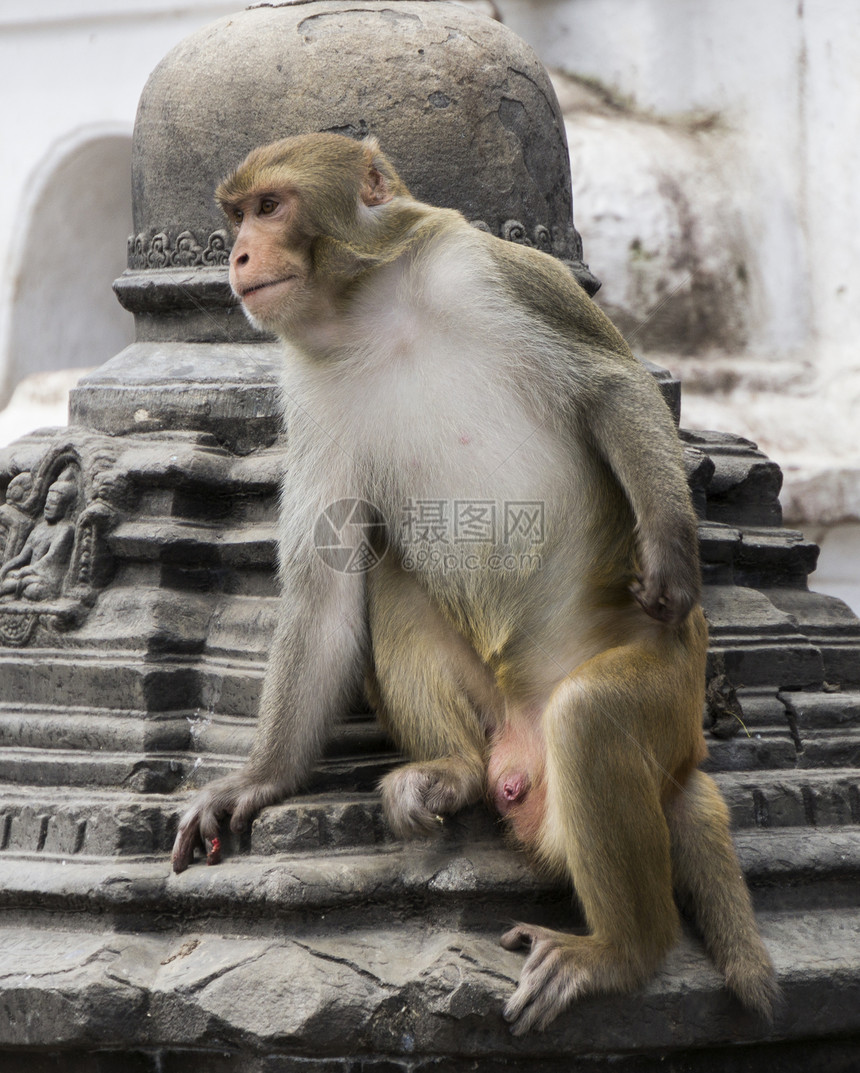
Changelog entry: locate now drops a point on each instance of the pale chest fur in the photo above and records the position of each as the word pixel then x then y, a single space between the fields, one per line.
pixel 422 401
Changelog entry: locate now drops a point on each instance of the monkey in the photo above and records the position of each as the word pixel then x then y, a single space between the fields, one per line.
pixel 558 672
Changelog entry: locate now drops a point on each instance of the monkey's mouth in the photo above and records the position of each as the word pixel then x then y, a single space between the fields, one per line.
pixel 257 287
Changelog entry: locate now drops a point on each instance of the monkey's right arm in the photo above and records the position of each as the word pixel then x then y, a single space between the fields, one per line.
pixel 315 664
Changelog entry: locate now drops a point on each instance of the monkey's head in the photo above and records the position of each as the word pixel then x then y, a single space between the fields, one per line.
pixel 308 215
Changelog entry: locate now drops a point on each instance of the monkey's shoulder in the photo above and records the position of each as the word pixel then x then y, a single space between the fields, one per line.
pixel 546 289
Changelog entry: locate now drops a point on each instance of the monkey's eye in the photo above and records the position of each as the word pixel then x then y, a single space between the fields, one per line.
pixel 237 215
pixel 268 206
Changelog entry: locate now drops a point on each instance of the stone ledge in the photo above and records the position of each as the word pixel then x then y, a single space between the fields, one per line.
pixel 92 822
pixel 446 875
pixel 392 993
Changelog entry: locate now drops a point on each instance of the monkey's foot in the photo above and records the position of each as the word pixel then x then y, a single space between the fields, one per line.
pixel 231 796
pixel 416 796
pixel 559 969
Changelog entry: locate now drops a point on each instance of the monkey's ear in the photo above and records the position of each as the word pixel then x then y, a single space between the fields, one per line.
pixel 376 189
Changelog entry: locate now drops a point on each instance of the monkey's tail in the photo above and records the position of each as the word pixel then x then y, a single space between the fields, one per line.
pixel 708 880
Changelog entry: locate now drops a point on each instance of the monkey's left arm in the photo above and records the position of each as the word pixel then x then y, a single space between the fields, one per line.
pixel 633 430
pixel 618 402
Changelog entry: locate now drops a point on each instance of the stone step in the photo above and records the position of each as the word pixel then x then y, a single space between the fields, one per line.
pixel 755 556
pixel 207 1002
pixel 114 730
pixel 184 542
pixel 69 822
pixel 830 625
pixel 772 748
pixel 744 487
pixel 445 877
pixel 814 712
pixel 164 773
pixel 775 799
pixel 49 768
pixel 193 732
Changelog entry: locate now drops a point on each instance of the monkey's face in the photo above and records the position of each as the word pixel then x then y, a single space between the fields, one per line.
pixel 270 265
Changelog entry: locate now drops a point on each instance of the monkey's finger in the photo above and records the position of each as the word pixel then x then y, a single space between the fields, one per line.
pixel 550 1001
pixel 208 823
pixel 187 837
pixel 244 809
pixel 213 851
pixel 524 1008
pixel 534 1016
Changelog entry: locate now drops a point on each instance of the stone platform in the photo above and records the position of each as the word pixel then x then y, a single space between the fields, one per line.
pixel 320 943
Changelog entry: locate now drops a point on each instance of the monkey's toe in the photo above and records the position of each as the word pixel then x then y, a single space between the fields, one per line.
pixel 558 970
pixel 416 796
pixel 521 936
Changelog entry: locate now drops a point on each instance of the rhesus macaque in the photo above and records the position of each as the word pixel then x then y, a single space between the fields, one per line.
pixel 428 362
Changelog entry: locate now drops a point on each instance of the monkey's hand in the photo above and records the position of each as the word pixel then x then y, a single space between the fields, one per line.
pixel 234 795
pixel 559 969
pixel 669 585
pixel 663 599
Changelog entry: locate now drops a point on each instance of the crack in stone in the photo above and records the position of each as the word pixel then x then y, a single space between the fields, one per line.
pixel 216 974
pixel 40 974
pixel 366 973
pixel 482 969
pixel 792 717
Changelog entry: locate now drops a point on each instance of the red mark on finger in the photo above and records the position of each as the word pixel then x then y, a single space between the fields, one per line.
pixel 213 851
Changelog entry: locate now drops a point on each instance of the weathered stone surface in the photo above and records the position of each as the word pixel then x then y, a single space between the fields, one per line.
pixel 228 390
pixel 745 484
pixel 390 993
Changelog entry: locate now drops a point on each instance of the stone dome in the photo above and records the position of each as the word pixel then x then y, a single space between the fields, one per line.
pixel 459 103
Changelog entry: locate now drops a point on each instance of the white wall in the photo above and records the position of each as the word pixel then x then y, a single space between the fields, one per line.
pixel 743 60
pixel 72 73
pixel 69 247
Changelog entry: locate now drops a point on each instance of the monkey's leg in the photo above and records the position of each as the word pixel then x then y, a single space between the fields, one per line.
pixel 708 878
pixel 430 691
pixel 605 826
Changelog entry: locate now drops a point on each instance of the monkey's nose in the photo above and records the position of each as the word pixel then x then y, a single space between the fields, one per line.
pixel 241 260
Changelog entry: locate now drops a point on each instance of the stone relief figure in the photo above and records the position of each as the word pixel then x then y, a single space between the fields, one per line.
pixel 38 570
pixel 54 524
pixel 15 522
